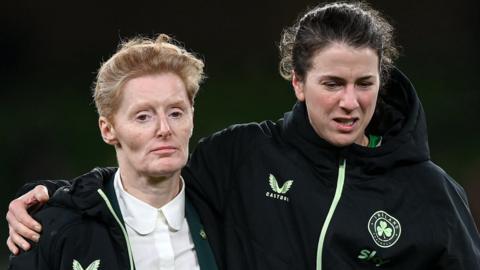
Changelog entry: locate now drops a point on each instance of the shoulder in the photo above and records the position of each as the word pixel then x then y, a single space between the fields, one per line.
pixel 437 178
pixel 55 216
pixel 65 229
pixel 247 132
pixel 55 222
pixel 438 187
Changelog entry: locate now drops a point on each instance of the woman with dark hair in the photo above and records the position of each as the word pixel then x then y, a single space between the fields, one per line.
pixel 344 180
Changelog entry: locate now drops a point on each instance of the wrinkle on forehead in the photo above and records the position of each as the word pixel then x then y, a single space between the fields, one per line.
pixel 344 61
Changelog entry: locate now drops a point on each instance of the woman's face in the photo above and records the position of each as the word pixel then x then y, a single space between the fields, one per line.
pixel 340 91
pixel 152 125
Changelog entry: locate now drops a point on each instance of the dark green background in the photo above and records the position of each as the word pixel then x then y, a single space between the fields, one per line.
pixel 50 52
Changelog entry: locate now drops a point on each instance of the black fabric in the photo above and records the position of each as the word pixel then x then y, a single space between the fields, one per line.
pixel 234 177
pixel 265 229
pixel 78 225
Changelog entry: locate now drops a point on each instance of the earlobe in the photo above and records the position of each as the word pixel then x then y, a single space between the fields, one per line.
pixel 107 130
pixel 298 87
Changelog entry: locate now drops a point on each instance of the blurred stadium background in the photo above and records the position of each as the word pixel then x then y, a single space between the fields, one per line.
pixel 50 51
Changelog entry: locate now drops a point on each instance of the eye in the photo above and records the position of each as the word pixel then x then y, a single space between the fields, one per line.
pixel 331 85
pixel 143 117
pixel 365 84
pixel 176 114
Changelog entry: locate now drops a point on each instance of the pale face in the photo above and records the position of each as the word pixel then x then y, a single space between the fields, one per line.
pixel 340 92
pixel 152 126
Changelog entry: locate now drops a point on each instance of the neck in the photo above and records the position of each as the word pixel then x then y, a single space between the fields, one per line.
pixel 364 141
pixel 156 191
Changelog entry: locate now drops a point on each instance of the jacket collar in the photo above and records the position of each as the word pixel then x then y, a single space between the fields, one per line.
pixel 399 119
pixel 82 195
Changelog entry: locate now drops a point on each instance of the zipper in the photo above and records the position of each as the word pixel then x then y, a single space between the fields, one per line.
pixel 333 206
pixel 125 235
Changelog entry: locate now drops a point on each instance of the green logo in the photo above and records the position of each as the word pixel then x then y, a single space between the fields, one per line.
pixel 372 257
pixel 278 192
pixel 384 229
pixel 93 266
pixel 274 184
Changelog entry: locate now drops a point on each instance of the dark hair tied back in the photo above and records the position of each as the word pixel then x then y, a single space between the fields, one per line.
pixel 355 24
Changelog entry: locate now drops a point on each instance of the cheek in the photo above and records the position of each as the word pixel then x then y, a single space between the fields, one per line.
pixel 132 140
pixel 323 105
pixel 369 102
pixel 185 137
pixel 372 103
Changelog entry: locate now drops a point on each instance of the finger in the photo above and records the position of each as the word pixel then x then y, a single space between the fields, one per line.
pixel 18 227
pixel 12 247
pixel 39 194
pixel 19 241
pixel 17 215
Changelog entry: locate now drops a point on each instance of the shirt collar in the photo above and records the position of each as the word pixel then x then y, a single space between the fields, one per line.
pixel 141 216
pixel 174 210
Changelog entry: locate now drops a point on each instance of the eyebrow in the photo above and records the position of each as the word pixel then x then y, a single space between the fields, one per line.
pixel 178 102
pixel 365 78
pixel 336 78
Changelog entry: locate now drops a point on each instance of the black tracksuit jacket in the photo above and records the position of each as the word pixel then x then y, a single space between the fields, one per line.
pixel 83 228
pixel 274 195
pixel 283 198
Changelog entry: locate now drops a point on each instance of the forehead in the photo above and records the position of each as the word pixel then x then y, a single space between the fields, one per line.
pixel 163 87
pixel 344 59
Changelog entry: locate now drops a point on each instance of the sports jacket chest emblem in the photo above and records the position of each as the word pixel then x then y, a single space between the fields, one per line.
pixel 384 229
pixel 278 193
pixel 93 266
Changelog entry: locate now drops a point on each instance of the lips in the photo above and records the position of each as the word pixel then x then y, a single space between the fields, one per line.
pixel 345 124
pixel 163 150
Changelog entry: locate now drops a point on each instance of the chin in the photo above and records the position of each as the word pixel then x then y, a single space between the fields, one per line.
pixel 341 140
pixel 163 172
pixel 166 167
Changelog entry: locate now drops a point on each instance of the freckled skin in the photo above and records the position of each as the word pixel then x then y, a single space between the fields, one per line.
pixel 154 112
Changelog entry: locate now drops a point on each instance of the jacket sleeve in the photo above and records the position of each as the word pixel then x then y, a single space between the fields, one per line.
pixel 212 166
pixel 52 186
pixel 70 241
pixel 32 259
pixel 462 247
pixel 40 255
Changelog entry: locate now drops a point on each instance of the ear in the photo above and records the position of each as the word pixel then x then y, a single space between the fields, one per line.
pixel 107 130
pixel 298 86
pixel 191 129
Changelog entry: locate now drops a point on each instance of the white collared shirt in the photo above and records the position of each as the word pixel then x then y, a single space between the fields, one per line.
pixel 159 237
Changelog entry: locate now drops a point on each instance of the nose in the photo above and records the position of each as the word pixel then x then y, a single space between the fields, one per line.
pixel 163 127
pixel 349 99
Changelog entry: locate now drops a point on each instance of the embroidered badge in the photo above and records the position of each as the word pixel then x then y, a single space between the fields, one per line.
pixel 278 192
pixel 203 234
pixel 93 266
pixel 384 229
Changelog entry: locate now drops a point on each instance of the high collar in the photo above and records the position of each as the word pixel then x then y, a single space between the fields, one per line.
pixel 399 119
pixel 301 135
pixel 83 196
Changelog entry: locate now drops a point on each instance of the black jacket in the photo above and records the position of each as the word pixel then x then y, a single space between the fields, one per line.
pixel 274 195
pixel 83 226
pixel 286 199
